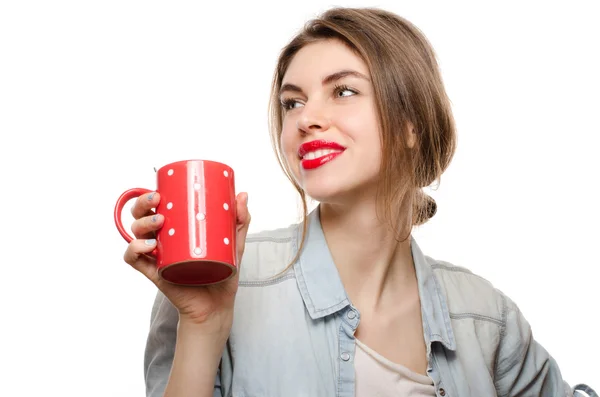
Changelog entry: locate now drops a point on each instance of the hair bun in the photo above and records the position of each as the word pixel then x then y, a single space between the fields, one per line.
pixel 426 207
pixel 431 206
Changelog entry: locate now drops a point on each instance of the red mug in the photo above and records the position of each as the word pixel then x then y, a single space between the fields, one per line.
pixel 197 243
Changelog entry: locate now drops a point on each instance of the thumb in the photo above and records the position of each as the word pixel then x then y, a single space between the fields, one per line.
pixel 242 221
pixel 242 213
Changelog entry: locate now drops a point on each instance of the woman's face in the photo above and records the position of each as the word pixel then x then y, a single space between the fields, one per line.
pixel 330 136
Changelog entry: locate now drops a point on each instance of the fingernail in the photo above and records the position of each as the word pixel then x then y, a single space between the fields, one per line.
pixel 154 219
pixel 151 241
pixel 246 199
pixel 150 196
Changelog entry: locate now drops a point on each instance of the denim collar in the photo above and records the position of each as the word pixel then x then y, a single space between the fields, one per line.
pixel 323 292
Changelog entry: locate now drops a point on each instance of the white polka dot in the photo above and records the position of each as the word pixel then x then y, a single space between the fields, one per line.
pixel 226 241
pixel 197 186
pixel 170 172
pixel 226 206
pixel 171 232
pixel 201 216
pixel 226 173
pixel 197 250
pixel 169 206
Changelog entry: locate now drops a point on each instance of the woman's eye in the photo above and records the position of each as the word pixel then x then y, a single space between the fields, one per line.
pixel 289 104
pixel 342 92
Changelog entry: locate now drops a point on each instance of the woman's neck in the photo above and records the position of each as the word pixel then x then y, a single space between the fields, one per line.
pixel 376 270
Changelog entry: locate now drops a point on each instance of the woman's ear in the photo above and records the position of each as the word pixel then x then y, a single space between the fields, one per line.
pixel 412 136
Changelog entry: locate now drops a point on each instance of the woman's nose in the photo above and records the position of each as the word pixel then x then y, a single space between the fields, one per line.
pixel 313 120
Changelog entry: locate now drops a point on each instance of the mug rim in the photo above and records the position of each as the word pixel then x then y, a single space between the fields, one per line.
pixel 179 162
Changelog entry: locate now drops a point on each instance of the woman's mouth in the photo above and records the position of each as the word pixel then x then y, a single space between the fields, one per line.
pixel 319 152
pixel 314 160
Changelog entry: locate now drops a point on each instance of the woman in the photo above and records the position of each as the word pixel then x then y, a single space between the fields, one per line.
pixel 345 303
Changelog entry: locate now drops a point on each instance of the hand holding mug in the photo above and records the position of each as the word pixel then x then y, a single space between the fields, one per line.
pixel 197 270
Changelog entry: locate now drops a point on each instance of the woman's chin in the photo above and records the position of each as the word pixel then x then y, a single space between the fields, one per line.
pixel 328 194
pixel 323 195
pixel 337 193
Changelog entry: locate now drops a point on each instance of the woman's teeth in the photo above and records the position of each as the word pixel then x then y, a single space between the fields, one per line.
pixel 319 153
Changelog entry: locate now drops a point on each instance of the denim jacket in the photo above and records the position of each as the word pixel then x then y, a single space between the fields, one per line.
pixel 293 334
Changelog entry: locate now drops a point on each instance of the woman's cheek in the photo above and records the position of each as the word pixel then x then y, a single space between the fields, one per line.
pixel 290 153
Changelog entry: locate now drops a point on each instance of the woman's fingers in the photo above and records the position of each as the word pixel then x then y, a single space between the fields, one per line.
pixel 138 255
pixel 146 227
pixel 243 215
pixel 243 222
pixel 144 204
pixel 146 221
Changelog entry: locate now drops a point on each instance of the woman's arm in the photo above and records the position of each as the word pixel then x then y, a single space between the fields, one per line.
pixel 523 366
pixel 181 358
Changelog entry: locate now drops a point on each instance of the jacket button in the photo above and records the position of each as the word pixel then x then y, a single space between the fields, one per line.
pixel 351 314
pixel 442 392
pixel 345 356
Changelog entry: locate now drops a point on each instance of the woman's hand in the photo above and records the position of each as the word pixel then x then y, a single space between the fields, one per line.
pixel 210 306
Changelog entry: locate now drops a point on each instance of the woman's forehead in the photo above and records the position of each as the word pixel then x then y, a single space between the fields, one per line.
pixel 316 61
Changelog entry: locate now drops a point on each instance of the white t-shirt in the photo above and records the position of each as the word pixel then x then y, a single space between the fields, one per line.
pixel 376 376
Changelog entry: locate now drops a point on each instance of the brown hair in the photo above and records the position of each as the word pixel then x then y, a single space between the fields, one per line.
pixel 408 89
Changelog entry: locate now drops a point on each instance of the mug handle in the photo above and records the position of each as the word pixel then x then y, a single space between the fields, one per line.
pixel 121 201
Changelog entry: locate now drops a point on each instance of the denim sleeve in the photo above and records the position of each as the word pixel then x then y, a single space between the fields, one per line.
pixel 523 366
pixel 160 348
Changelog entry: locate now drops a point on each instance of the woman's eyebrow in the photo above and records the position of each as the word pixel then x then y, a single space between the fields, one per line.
pixel 326 80
pixel 289 87
pixel 343 73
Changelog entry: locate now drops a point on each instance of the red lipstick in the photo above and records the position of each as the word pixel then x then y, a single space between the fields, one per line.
pixel 319 144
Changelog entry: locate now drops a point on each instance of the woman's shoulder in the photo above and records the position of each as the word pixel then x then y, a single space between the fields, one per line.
pixel 485 315
pixel 268 252
pixel 468 293
pixel 279 235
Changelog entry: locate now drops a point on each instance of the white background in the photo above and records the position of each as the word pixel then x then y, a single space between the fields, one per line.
pixel 94 94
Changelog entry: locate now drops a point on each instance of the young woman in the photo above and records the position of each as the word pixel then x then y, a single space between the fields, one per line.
pixel 345 303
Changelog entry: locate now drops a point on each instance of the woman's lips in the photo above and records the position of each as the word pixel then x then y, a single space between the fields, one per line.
pixel 319 161
pixel 317 145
